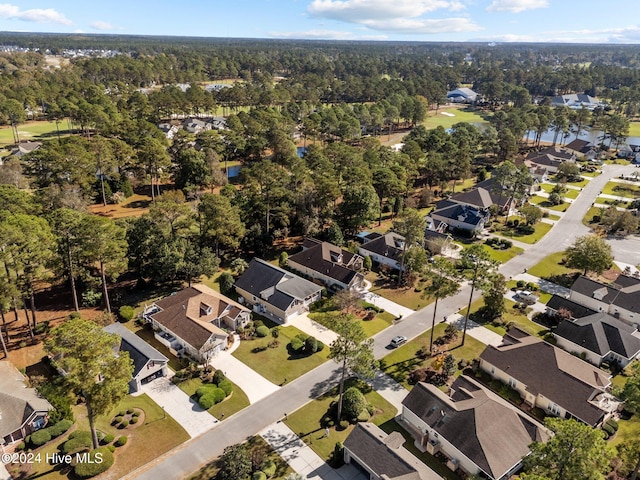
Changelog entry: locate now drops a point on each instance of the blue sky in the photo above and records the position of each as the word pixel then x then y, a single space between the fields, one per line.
pixel 584 21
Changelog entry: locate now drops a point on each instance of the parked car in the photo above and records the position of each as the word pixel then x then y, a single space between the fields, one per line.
pixel 398 340
pixel 526 297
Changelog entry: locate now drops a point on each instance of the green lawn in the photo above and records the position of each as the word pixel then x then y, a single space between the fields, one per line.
pixel 617 161
pixel 371 327
pixel 309 421
pixel 511 315
pixel 628 431
pixel 232 404
pixel 551 269
pixel 401 361
pixel 501 256
pixel 618 189
pixel 582 183
pixel 33 131
pixel 544 203
pixel 540 231
pixel 634 129
pixel 570 193
pixel 432 462
pixel 609 201
pixel 544 297
pixel 158 434
pixel 588 218
pixel 406 296
pixel 467 114
pixel 551 216
pixel 591 174
pixel 277 364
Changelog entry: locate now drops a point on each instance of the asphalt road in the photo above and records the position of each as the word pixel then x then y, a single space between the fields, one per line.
pixel 190 456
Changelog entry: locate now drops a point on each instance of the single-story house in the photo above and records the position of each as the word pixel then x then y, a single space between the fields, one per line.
pixel 335 267
pixel 384 249
pixel 576 310
pixel 539 174
pixel 272 291
pixel 549 158
pixel 461 216
pixel 23 148
pixel 22 409
pixel 382 455
pixel 476 430
pixel 191 321
pixel 148 363
pixel 462 95
pixel 550 378
pixel 437 241
pixel 168 129
pixel 481 198
pixel 584 148
pixel 620 298
pixel 195 125
pixel 598 338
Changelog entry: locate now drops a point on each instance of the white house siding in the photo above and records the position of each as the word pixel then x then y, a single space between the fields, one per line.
pixel 149 369
pixel 453 223
pixel 381 259
pixel 600 306
pixel 444 446
pixel 571 347
pixel 328 281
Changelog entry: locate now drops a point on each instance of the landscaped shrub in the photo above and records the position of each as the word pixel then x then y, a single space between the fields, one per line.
pixel 311 345
pixel 126 312
pixel 262 331
pixel 226 386
pixel 60 427
pixel 337 458
pixel 259 475
pixel 371 306
pixel 111 448
pixel 122 425
pixel 108 438
pixel 609 431
pixel 520 283
pixel 122 440
pixel 218 395
pixel 129 411
pixel 207 401
pixel 21 446
pixel 91 468
pixel 218 377
pixel 613 424
pixel 353 403
pixel 225 280
pixel 78 440
pixel 296 344
pixel 40 437
pixel 133 420
pixel 269 468
pixel 275 332
pixel 119 418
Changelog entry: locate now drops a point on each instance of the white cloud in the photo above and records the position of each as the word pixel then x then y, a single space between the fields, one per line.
pixel 326 35
pixel 397 16
pixel 38 15
pixel 629 34
pixel 100 25
pixel 516 6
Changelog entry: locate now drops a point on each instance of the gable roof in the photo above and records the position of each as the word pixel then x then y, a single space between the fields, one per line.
pixel 327 259
pixel 623 293
pixel 601 333
pixel 463 92
pixel 261 276
pixel 190 312
pixel 388 245
pixel 480 197
pixel 17 402
pixel 482 426
pixel 546 370
pixel 462 213
pixel 139 350
pixel 577 311
pixel 578 145
pixel 384 454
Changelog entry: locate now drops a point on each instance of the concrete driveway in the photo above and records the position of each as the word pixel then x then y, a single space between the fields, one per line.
pixel 391 307
pixel 180 406
pixel 308 326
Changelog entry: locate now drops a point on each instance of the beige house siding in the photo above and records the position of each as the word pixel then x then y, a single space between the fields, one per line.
pixel 262 306
pixel 600 306
pixel 571 347
pixel 328 281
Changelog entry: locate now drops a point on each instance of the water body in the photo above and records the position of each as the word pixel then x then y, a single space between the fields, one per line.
pixel 234 171
pixel 591 135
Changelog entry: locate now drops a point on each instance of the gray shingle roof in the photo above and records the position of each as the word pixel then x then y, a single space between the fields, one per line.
pixel 601 333
pixel 327 259
pixel 139 350
pixel 388 245
pixel 17 402
pixel 482 426
pixel 288 288
pixel 546 370
pixel 623 293
pixel 462 213
pixel 577 311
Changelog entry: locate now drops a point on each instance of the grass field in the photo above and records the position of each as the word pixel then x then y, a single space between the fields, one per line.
pixel 591 174
pixel 540 231
pixel 588 218
pixel 618 189
pixel 570 193
pixel 461 114
pixel 551 216
pixel 544 203
pixel 405 296
pixel 511 315
pixel 610 201
pixel 371 327
pixel 223 410
pixel 400 362
pixel 32 131
pixel 277 364
pixel 309 421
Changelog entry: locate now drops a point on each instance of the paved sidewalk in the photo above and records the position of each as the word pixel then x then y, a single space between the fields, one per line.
pixel 308 326
pixel 302 458
pixel 633 269
pixel 476 331
pixel 379 301
pixel 252 383
pixel 389 389
pixel 184 410
pixel 4 475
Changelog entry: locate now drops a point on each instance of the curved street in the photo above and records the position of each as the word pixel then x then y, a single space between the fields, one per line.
pixel 192 455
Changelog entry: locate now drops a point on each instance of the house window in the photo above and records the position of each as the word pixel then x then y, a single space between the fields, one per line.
pixel 553 408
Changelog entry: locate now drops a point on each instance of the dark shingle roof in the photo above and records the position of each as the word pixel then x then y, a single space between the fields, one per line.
pixel 577 311
pixel 480 197
pixel 385 455
pixel 388 245
pixel 601 333
pixel 327 259
pixel 482 426
pixel 462 213
pixel 623 293
pixel 544 369
pixel 288 288
pixel 139 350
